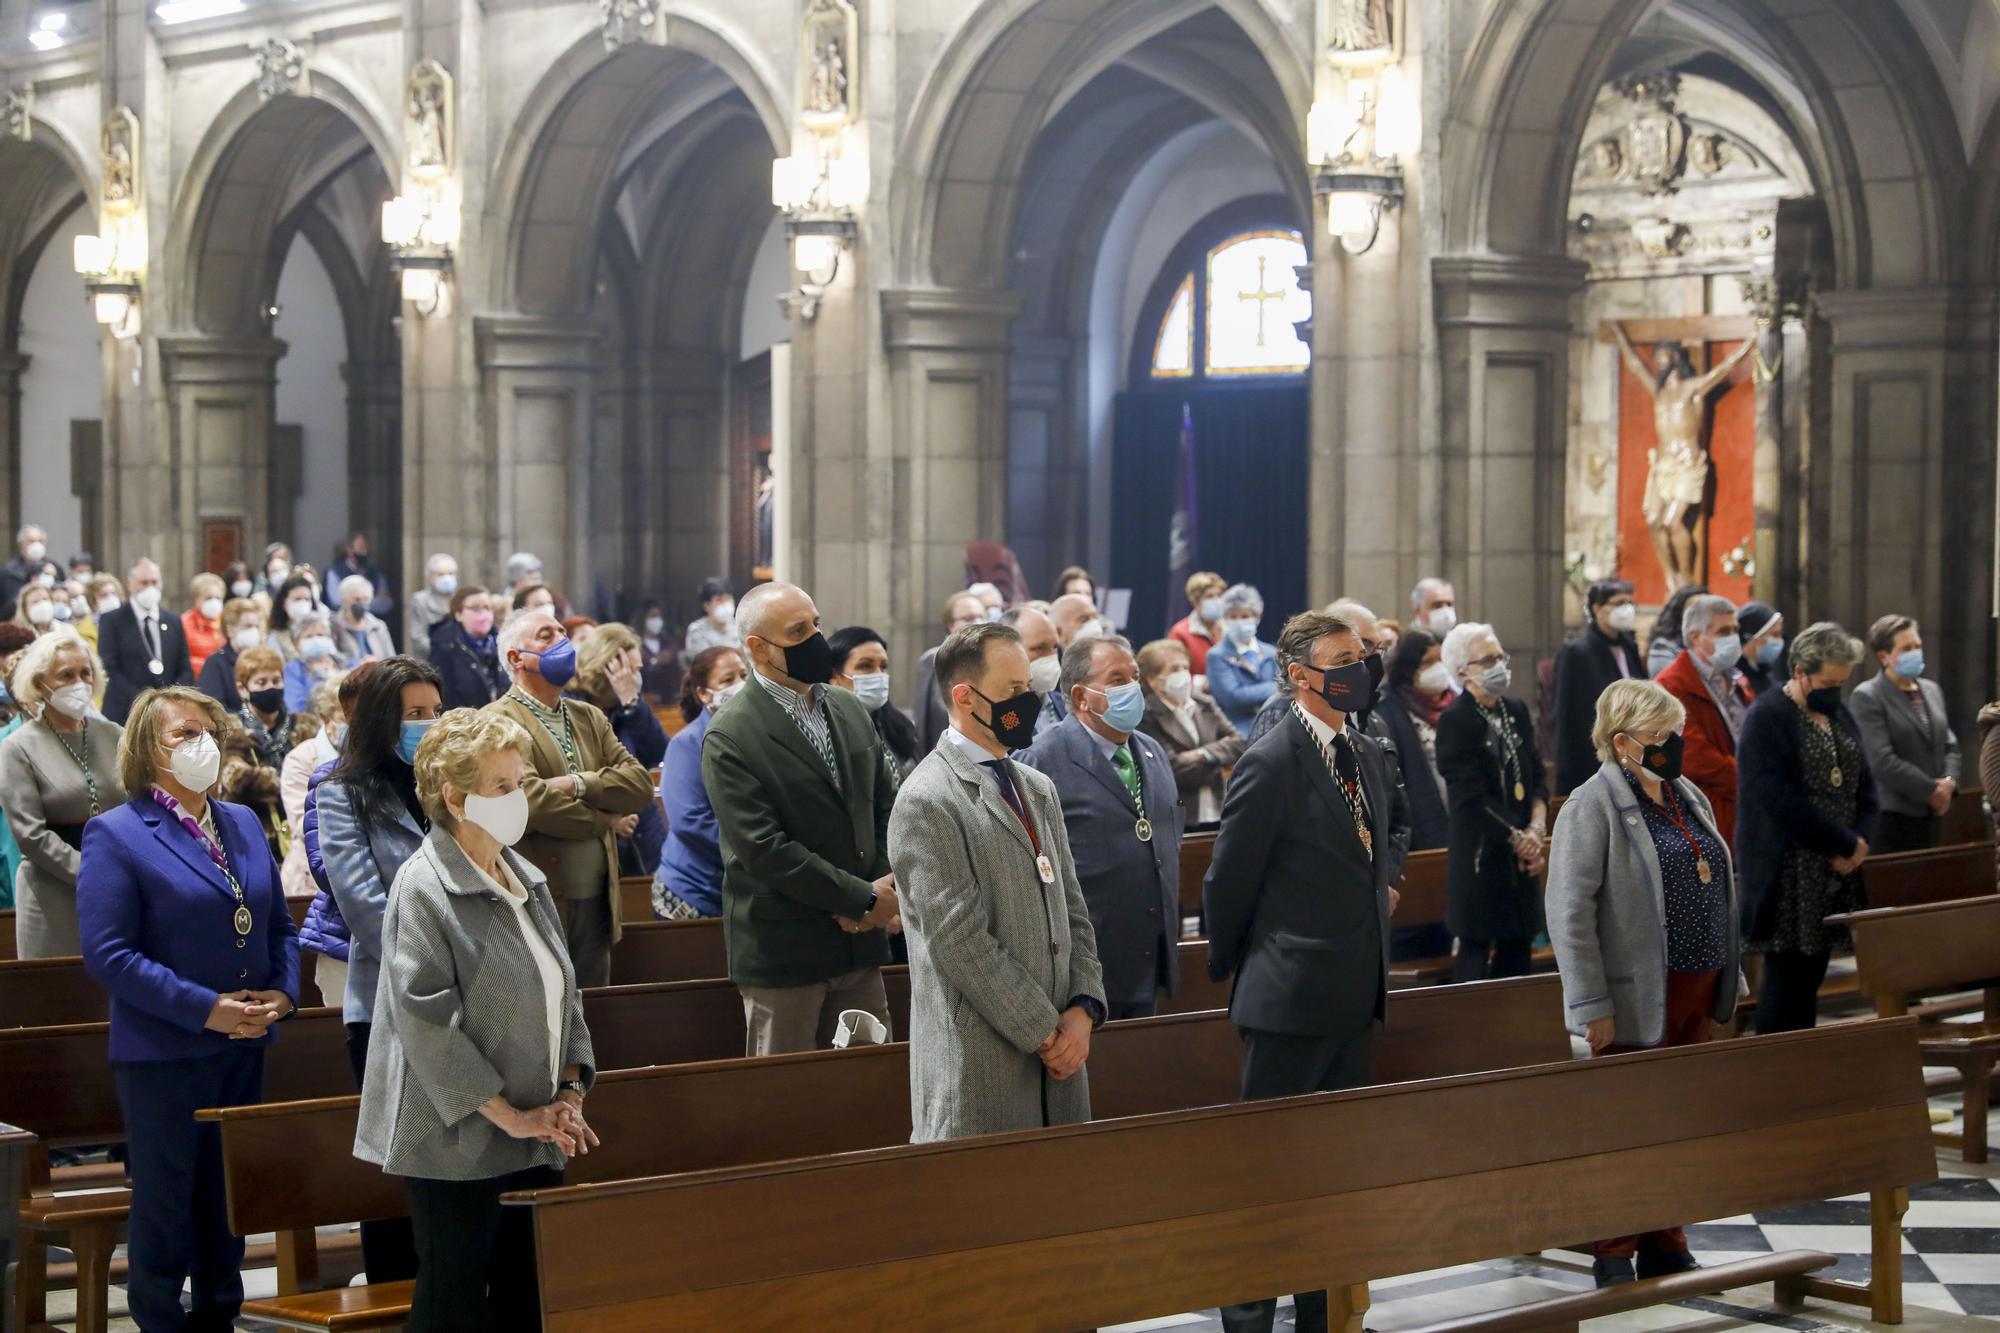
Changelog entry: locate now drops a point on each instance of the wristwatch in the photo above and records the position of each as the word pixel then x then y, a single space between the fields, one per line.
pixel 574 1085
pixel 872 898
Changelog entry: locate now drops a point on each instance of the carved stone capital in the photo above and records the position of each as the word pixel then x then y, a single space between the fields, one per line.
pixel 281 70
pixel 626 22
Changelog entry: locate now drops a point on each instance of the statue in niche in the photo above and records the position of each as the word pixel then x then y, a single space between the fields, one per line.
pixel 1677 465
pixel 1359 31
pixel 15 116
pixel 119 149
pixel 827 40
pixel 427 106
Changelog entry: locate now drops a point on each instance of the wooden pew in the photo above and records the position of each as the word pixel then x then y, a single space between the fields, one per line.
pixel 635 899
pixel 1078 1227
pixel 289 1170
pixel 1966 820
pixel 1906 879
pixel 1196 849
pixel 7 946
pixel 1903 953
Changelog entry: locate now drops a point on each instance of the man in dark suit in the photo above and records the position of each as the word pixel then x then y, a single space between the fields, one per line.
pixel 1299 891
pixel 928 708
pixel 1586 666
pixel 32 545
pixel 801 786
pixel 141 644
pixel 1122 810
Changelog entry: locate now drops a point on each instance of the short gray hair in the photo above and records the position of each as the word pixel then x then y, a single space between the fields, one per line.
pixel 1700 610
pixel 519 563
pixel 436 556
pixel 1417 593
pixel 1456 650
pixel 1079 660
pixel 35 660
pixel 352 584
pixel 1821 645
pixel 514 632
pixel 27 528
pixel 316 616
pixel 1243 597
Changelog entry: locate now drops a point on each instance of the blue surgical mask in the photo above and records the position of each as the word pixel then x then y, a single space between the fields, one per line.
pixel 445 584
pixel 1728 651
pixel 1124 706
pixel 1910 665
pixel 872 689
pixel 557 666
pixel 411 737
pixel 1242 633
pixel 1769 651
pixel 1211 609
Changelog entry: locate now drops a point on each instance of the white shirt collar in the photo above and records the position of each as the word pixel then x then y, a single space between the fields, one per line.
pixel 1322 734
pixel 968 747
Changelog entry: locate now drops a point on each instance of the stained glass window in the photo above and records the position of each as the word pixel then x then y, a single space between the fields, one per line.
pixel 1235 315
pixel 1173 354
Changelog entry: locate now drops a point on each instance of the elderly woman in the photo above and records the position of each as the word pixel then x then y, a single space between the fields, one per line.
pixel 1242 669
pixel 607 674
pixel 202 621
pixel 1642 913
pixel 295 779
pixel 1201 628
pixel 1906 738
pixel 371 821
pixel 361 634
pixel 35 609
pixel 57 772
pixel 862 669
pixel 463 650
pixel 260 680
pixel 476 1081
pixel 316 657
pixel 1497 793
pixel 1201 743
pixel 690 880
pixel 1803 824
pixel 184 923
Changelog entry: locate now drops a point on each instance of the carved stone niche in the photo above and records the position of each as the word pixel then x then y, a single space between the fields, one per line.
pixel 829 64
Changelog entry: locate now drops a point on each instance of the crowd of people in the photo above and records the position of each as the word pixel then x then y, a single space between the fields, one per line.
pixel 460 813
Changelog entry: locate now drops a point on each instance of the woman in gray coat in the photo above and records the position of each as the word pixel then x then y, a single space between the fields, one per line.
pixel 56 771
pixel 479 1060
pixel 1642 912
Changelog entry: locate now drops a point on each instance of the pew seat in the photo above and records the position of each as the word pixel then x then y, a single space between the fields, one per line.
pixel 1565 1312
pixel 378 1305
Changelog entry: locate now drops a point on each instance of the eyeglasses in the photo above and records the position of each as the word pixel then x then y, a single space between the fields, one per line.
pixel 182 734
pixel 1487 663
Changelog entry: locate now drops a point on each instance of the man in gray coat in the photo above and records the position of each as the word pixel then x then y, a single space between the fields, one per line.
pixel 1005 987
pixel 1122 810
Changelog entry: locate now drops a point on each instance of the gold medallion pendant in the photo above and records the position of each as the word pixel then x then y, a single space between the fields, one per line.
pixel 243 922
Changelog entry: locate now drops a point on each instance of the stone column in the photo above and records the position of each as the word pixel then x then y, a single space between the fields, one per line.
pixel 220 394
pixel 538 377
pixel 1504 326
pixel 1048 483
pixel 1905 481
pixel 374 483
pixel 13 365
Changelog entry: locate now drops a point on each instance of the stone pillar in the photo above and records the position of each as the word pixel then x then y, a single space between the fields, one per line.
pixel 13 365
pixel 539 381
pixel 1048 483
pixel 1504 326
pixel 948 386
pixel 374 482
pixel 1905 482
pixel 220 394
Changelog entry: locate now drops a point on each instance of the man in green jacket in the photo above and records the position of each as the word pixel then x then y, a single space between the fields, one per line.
pixel 801 787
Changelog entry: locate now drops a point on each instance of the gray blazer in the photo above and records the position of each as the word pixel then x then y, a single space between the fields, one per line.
pixel 42 790
pixel 458 1018
pixel 1607 911
pixel 1907 759
pixel 995 955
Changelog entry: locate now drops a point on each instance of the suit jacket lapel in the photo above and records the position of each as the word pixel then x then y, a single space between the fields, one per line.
pixel 1170 722
pixel 169 831
pixel 783 728
pixel 1084 753
pixel 986 795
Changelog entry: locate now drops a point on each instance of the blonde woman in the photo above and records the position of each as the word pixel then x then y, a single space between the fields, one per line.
pixel 202 621
pixel 480 1059
pixel 608 666
pixel 57 771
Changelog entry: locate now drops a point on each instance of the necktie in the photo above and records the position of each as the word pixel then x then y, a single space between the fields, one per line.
pixel 1349 772
pixel 1128 772
pixel 152 629
pixel 1003 774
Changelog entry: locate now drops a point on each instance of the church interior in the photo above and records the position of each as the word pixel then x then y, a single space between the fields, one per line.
pixel 1563 307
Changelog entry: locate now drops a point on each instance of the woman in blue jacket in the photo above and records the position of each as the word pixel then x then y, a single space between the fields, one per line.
pixel 689 883
pixel 183 921
pixel 369 823
pixel 1242 669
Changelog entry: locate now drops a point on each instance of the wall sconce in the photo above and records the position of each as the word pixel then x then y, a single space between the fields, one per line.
pixel 1356 167
pixel 420 231
pixel 819 193
pixel 110 281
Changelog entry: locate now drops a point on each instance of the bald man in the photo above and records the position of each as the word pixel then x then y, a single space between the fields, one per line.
pixel 801 789
pixel 1038 636
pixel 1072 613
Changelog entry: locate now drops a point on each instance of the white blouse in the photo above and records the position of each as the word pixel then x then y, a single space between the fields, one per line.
pixel 546 967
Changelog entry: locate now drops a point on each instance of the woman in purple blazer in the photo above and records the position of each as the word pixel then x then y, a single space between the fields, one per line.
pixel 184 921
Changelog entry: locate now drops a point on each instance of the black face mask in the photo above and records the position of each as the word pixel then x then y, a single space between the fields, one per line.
pixel 1663 761
pixel 267 701
pixel 810 661
pixel 1347 689
pixel 1825 701
pixel 1013 723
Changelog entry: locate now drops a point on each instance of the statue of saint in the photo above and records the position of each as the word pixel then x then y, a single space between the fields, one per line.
pixel 426 106
pixel 827 91
pixel 1360 27
pixel 1677 465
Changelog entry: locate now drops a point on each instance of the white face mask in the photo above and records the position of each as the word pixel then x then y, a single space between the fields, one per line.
pixel 655 624
pixel 247 638
pixel 717 698
pixel 63 613
pixel 1624 618
pixel 240 588
pixel 45 580
pixel 872 689
pixel 1045 673
pixel 107 604
pixel 1434 678
pixel 315 646
pixel 211 608
pixel 1442 620
pixel 35 551
pixel 724 614
pixel 505 818
pixel 147 599
pixel 71 700
pixel 277 574
pixel 444 585
pixel 196 763
pixel 42 612
pixel 298 608
pixel 1177 686
pixel 79 609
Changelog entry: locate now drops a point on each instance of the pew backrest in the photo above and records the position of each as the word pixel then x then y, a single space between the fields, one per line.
pixel 1937 874
pixel 1905 951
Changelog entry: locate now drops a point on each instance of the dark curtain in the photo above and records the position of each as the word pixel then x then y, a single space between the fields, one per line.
pixel 1250 511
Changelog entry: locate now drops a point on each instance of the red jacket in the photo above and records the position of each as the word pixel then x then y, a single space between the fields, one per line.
pixel 1709 756
pixel 1196 643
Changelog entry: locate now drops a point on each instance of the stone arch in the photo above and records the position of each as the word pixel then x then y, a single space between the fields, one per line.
pixel 1002 76
pixel 1863 97
pixel 568 154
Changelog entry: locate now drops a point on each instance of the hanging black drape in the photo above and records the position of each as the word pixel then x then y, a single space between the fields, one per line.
pixel 1250 512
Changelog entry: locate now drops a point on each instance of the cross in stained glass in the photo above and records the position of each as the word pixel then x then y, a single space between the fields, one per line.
pixel 1262 296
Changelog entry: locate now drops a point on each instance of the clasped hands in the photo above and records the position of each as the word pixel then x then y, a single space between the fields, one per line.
pixel 1847 865
pixel 561 1122
pixel 1529 850
pixel 242 1015
pixel 1064 1050
pixel 1941 795
pixel 887 913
